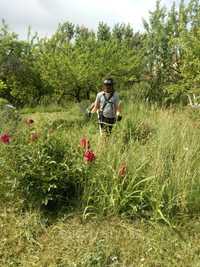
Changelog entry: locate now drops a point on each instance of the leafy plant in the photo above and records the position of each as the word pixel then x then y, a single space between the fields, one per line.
pixel 49 171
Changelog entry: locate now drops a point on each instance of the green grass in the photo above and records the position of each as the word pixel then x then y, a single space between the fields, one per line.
pixel 146 218
pixel 28 239
pixel 42 109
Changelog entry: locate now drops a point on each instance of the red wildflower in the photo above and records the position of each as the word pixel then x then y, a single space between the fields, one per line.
pixel 29 121
pixel 122 170
pixel 5 138
pixel 89 156
pixel 84 143
pixel 34 137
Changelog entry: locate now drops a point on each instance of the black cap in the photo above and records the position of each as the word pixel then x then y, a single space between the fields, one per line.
pixel 108 81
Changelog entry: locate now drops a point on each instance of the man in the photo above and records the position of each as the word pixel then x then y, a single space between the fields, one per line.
pixel 107 106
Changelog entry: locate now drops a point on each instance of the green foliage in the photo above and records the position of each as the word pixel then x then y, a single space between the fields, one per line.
pixel 48 171
pixel 22 83
pixel 172 51
pixel 2 87
pixel 3 102
pixel 9 118
pixel 103 32
pixel 191 62
pixel 43 165
pixel 71 64
pixel 158 148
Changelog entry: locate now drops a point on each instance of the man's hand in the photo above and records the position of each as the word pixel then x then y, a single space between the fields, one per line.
pixel 119 116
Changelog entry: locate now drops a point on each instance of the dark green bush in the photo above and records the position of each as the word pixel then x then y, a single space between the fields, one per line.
pixel 49 171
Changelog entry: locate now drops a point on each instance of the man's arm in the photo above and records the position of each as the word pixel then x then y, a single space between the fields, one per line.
pixel 96 106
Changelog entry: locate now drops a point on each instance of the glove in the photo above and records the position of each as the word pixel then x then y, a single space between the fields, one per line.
pixel 119 117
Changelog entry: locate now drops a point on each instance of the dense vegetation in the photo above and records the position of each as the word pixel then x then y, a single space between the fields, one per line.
pixel 149 166
pixel 159 64
pixel 59 209
pixel 69 197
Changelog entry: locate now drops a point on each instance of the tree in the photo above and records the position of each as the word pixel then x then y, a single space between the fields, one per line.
pixel 194 14
pixel 157 48
pixel 16 68
pixel 103 32
pixel 190 68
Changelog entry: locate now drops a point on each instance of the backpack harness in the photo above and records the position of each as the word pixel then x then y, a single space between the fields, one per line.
pixel 102 119
pixel 107 100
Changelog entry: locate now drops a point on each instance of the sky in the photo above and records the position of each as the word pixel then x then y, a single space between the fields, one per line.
pixel 44 15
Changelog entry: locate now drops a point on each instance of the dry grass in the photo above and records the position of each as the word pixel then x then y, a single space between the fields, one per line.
pixel 27 240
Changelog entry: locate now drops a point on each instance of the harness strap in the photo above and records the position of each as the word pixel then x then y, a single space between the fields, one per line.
pixel 107 100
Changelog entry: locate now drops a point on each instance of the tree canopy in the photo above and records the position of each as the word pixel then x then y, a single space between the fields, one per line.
pixel 160 64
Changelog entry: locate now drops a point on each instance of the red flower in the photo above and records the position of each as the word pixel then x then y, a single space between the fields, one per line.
pixel 34 137
pixel 89 156
pixel 122 170
pixel 29 121
pixel 84 143
pixel 5 138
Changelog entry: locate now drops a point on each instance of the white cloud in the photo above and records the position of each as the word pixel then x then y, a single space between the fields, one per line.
pixel 44 15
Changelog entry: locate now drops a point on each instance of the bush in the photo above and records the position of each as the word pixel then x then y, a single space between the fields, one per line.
pixel 49 171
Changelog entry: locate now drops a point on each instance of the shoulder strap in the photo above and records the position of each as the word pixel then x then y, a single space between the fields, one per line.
pixel 107 100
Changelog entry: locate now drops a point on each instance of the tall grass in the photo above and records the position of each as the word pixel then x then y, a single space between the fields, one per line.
pixel 159 147
pixel 161 151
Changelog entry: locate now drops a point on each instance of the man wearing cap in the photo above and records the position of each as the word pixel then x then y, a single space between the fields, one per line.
pixel 108 107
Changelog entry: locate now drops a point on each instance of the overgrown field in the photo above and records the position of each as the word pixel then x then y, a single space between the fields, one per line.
pixel 135 204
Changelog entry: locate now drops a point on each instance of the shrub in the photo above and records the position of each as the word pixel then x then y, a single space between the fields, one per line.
pixel 49 172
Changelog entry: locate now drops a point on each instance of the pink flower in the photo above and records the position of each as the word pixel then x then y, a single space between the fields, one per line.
pixel 84 143
pixel 89 156
pixel 5 138
pixel 122 170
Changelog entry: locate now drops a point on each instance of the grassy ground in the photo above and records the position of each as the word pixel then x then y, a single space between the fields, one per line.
pixel 147 218
pixel 29 240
